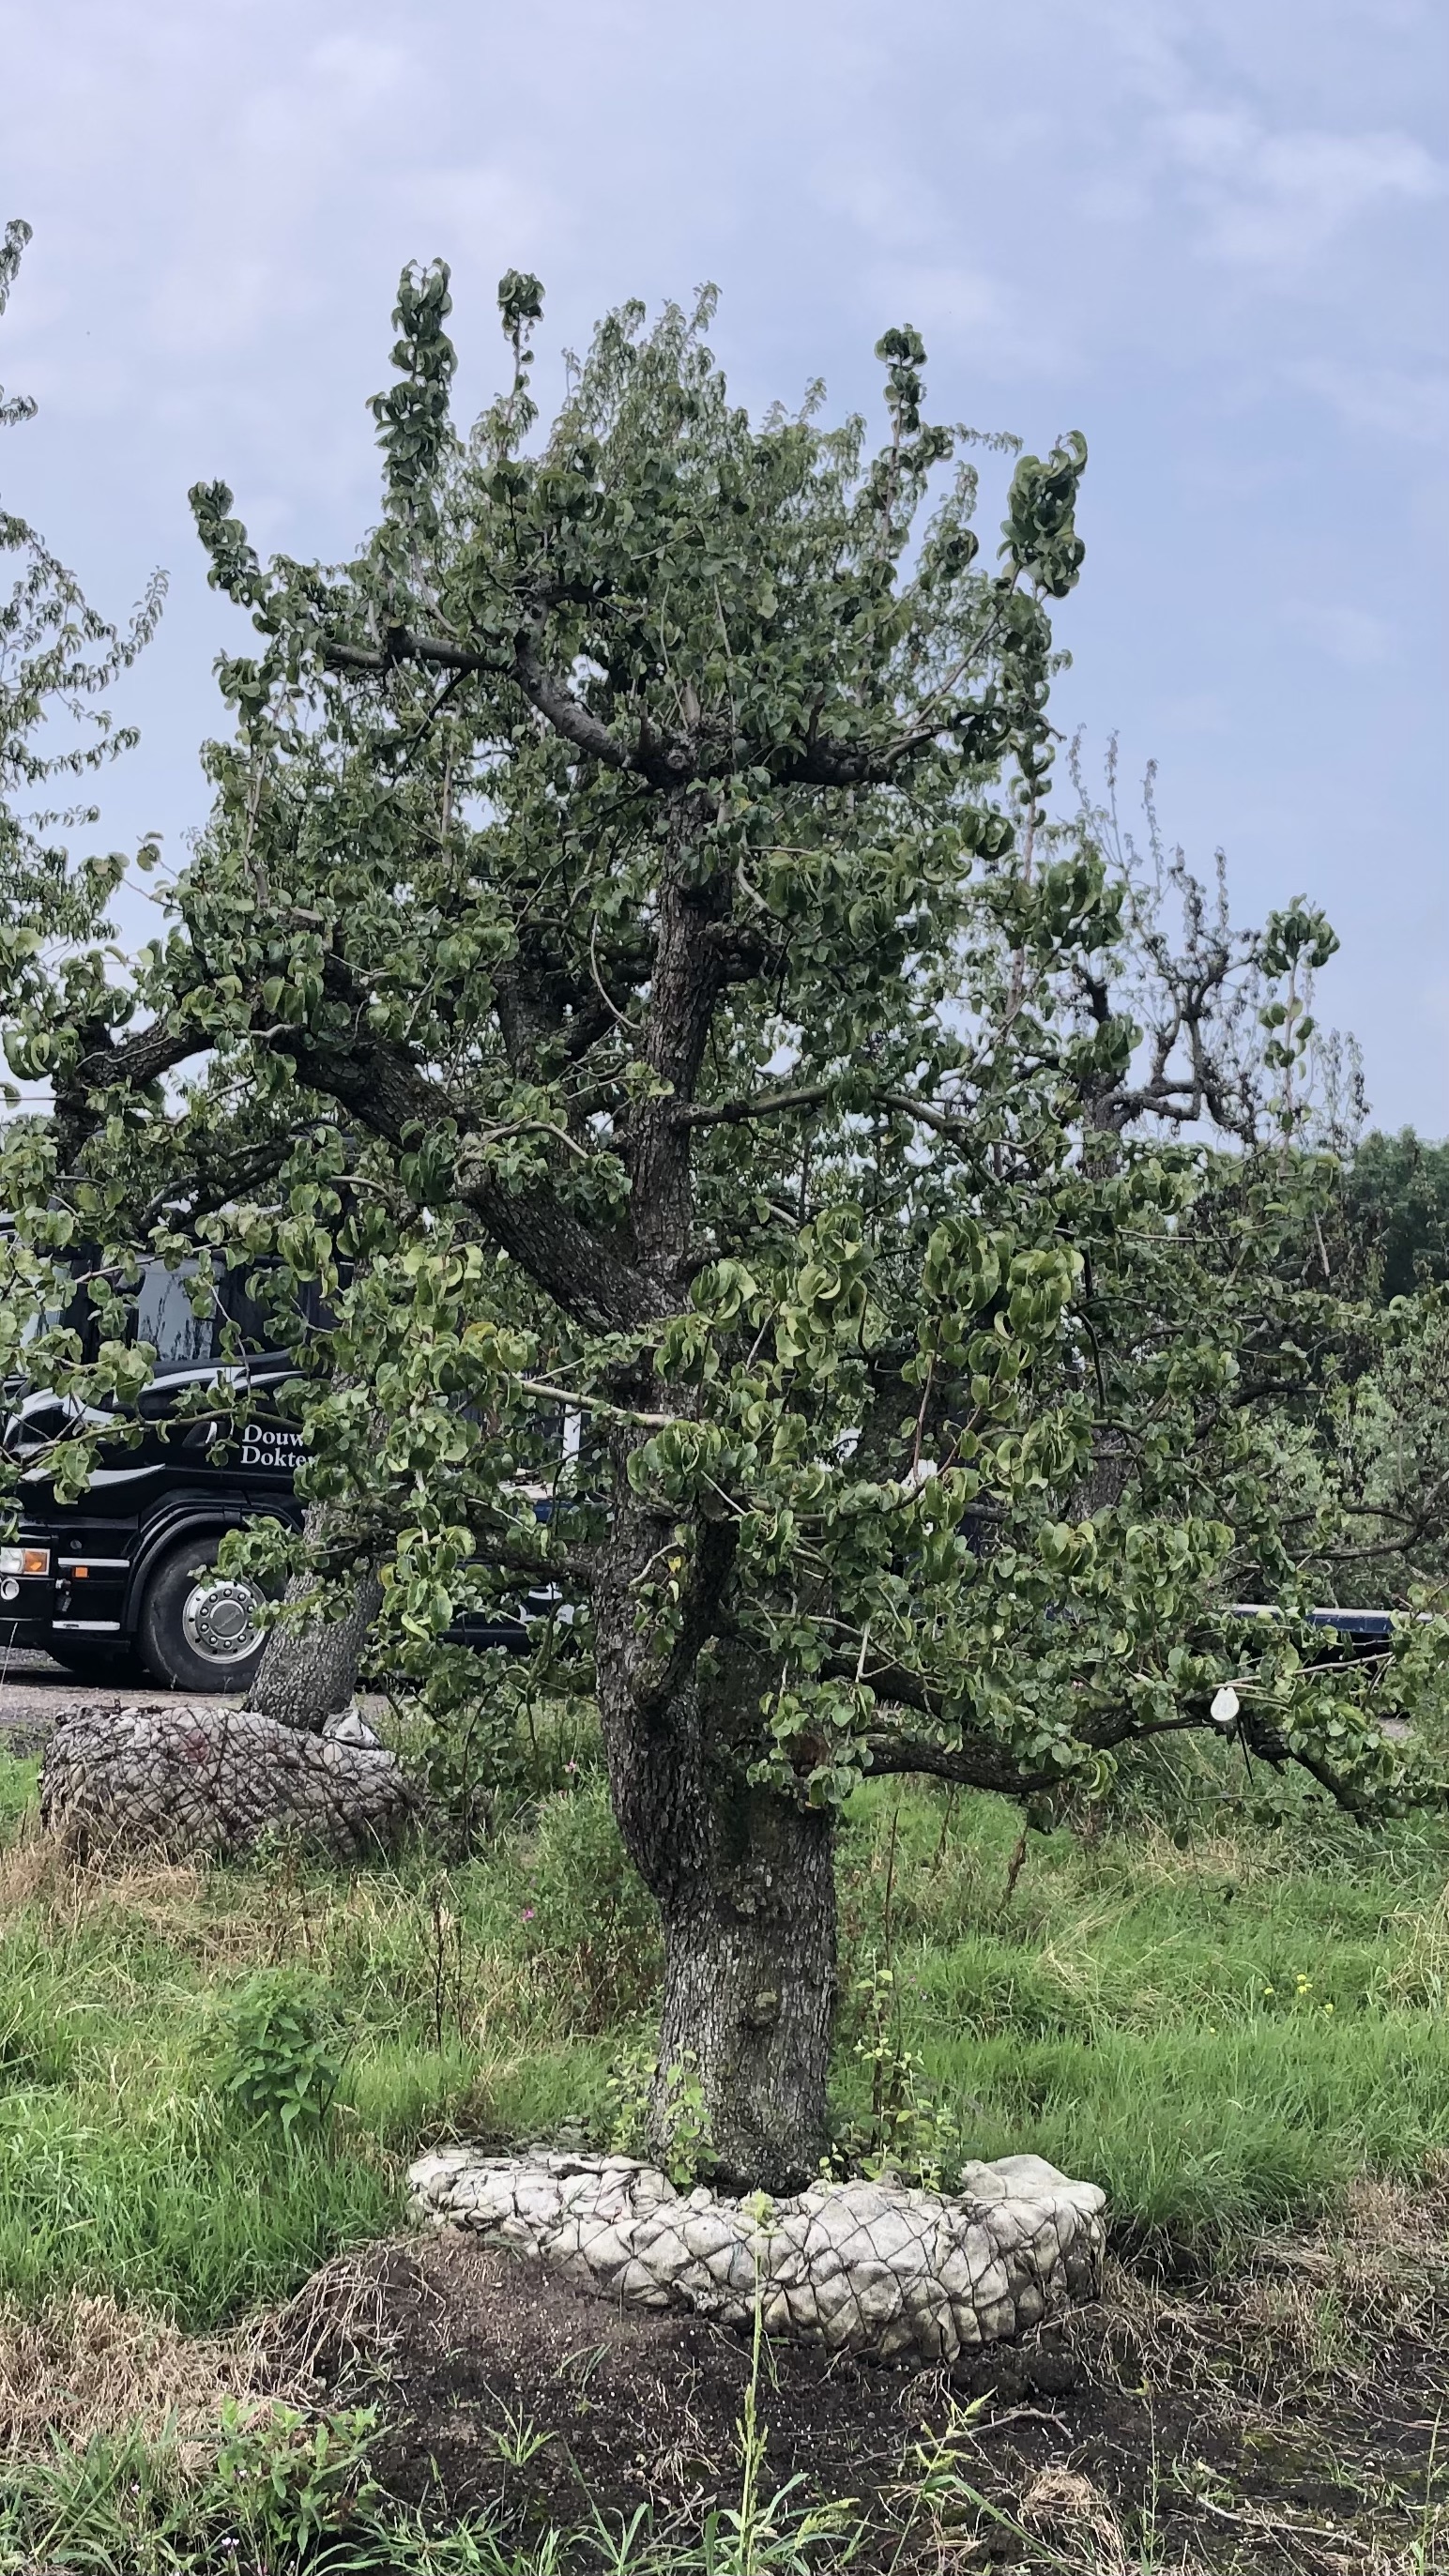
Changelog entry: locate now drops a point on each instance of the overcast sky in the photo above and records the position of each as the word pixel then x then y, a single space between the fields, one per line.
pixel 1211 235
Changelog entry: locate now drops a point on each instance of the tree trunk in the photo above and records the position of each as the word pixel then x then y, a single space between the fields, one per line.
pixel 744 1877
pixel 749 1996
pixel 308 1673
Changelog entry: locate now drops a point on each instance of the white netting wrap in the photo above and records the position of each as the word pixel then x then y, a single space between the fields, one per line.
pixel 200 1779
pixel 863 2267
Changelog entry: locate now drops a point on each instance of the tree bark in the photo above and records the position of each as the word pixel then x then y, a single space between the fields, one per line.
pixel 743 1875
pixel 749 1994
pixel 309 1673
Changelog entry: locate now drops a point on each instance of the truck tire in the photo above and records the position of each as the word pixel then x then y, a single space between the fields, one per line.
pixel 198 1629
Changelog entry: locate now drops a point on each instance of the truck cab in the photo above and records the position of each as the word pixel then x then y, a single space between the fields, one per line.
pixel 126 1574
pixel 125 1577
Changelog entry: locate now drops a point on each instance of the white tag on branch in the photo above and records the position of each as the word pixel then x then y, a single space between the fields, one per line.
pixel 1225 1705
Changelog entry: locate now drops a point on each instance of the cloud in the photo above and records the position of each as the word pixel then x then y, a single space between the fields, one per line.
pixel 950 298
pixel 1352 637
pixel 1201 711
pixel 964 311
pixel 481 214
pixel 1272 203
pixel 1392 400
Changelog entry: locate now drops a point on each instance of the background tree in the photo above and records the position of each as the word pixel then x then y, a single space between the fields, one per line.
pixel 1227 1046
pixel 630 935
pixel 1397 1197
pixel 58 961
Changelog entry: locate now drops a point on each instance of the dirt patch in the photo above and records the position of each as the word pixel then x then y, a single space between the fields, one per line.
pixel 480 2350
pixel 1207 2428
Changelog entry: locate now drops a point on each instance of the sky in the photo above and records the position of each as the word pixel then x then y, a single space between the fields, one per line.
pixel 1211 235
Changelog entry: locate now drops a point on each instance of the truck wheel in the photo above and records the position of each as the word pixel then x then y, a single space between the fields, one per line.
pixel 198 1629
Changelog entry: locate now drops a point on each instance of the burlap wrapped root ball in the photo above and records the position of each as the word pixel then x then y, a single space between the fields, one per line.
pixel 194 1781
pixel 872 2268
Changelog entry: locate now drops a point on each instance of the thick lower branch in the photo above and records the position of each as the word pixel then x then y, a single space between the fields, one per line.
pixel 380 1086
pixel 132 1063
pixel 975 1764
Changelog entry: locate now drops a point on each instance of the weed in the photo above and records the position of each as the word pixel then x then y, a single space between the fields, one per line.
pixel 519 2442
pixel 279 2066
pixel 906 2133
pixel 767 2534
pixel 675 2131
pixel 448 1979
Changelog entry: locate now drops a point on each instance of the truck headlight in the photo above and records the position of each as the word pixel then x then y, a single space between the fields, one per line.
pixel 24 1560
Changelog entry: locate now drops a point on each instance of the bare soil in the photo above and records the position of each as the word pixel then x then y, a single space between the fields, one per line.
pixel 1284 2417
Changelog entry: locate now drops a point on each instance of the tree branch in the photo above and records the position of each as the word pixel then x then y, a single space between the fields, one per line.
pixel 576 1565
pixel 135 1061
pixel 973 1764
pixel 770 1104
pixel 591 1278
pixel 670 763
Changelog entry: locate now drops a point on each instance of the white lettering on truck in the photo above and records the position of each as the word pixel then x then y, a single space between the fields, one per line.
pixel 262 1447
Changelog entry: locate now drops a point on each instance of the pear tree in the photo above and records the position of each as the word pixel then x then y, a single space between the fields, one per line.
pixel 633 965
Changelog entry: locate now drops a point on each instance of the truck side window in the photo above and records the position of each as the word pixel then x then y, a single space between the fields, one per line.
pixel 255 1329
pixel 164 1317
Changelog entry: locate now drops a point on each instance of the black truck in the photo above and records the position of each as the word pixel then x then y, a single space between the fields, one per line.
pixel 126 1576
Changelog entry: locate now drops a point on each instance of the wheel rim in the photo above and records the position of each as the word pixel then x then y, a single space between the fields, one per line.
pixel 219 1620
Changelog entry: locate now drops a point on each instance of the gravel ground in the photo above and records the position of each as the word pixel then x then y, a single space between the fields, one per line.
pixel 36 1693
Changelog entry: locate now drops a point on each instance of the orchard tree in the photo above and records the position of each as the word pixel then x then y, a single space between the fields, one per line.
pixel 58 661
pixel 58 658
pixel 1227 1045
pixel 631 964
pixel 1397 1195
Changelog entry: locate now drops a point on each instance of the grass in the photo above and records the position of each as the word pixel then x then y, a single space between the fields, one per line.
pixel 1226 2028
pixel 1226 2032
pixel 278 2491
pixel 1231 2015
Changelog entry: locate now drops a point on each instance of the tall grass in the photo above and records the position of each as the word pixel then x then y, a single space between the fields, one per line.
pixel 1224 2026
pixel 1224 2023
